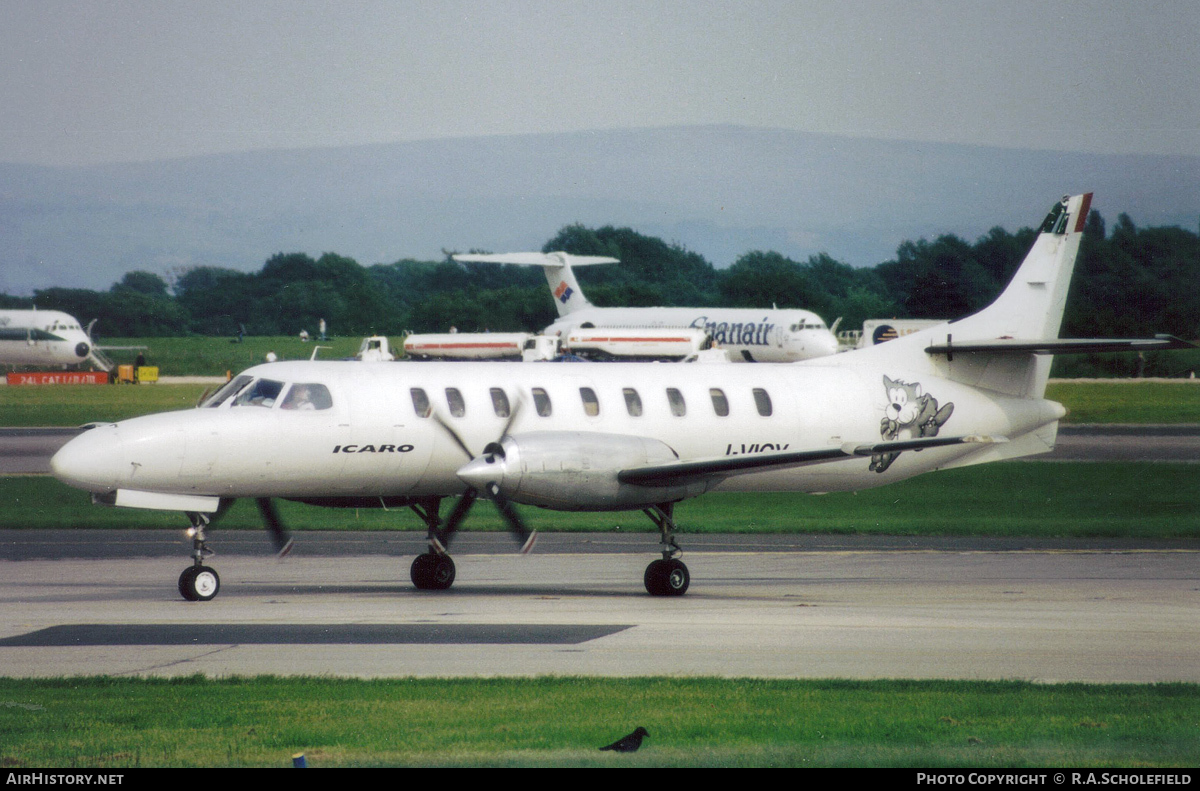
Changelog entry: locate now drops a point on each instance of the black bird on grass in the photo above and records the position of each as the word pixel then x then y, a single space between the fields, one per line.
pixel 630 743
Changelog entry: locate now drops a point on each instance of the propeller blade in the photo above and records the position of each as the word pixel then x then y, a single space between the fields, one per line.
pixel 457 516
pixel 516 525
pixel 279 534
pixel 453 435
pixel 512 416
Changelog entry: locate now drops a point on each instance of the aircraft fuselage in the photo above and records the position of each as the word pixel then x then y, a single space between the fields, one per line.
pixel 378 436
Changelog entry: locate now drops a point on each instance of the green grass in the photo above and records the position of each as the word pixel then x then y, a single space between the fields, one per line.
pixel 112 723
pixel 1137 500
pixel 74 405
pixel 1128 402
pixel 201 356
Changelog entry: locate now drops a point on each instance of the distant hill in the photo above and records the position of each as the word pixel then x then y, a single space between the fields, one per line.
pixel 717 190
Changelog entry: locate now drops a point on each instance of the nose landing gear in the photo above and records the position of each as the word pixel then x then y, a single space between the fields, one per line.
pixel 198 582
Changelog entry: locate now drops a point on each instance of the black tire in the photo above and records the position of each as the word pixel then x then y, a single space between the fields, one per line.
pixel 432 572
pixel 199 583
pixel 667 578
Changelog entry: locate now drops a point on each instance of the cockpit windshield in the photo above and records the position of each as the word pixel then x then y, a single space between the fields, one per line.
pixel 227 391
pixel 247 391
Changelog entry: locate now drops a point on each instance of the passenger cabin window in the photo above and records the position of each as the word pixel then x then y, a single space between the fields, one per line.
pixel 228 391
pixel 500 402
pixel 720 402
pixel 591 406
pixel 454 401
pixel 675 399
pixel 633 402
pixel 762 400
pixel 261 393
pixel 420 402
pixel 541 401
pixel 307 397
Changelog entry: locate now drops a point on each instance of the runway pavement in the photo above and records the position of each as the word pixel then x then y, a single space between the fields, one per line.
pixel 105 602
pixel 966 609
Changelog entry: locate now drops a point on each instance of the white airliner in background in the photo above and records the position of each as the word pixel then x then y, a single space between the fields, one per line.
pixel 766 335
pixel 42 337
pixel 601 436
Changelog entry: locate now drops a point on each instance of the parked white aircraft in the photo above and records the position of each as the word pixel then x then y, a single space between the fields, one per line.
pixel 750 335
pixel 601 436
pixel 42 337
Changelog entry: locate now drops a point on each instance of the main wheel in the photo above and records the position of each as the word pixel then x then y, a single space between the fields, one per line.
pixel 199 583
pixel 667 578
pixel 432 572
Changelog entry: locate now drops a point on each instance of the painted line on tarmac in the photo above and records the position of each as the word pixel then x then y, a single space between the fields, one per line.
pixel 68 635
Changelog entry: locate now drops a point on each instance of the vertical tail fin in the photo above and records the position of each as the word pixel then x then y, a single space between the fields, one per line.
pixel 1030 308
pixel 568 296
pixel 1032 304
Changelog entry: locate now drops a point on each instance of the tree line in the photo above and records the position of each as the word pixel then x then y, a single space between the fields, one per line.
pixel 1129 282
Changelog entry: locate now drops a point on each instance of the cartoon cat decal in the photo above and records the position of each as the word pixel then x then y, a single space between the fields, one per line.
pixel 909 409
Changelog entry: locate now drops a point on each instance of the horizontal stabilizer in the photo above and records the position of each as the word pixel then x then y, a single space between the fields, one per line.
pixel 535 259
pixel 1059 345
pixel 727 466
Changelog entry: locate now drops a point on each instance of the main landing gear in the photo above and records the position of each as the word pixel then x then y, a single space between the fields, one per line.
pixel 198 582
pixel 434 569
pixel 667 576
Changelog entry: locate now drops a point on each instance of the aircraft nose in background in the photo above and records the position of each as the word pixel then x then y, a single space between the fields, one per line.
pixel 91 461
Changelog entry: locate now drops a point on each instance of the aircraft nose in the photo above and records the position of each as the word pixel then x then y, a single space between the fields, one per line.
pixel 91 461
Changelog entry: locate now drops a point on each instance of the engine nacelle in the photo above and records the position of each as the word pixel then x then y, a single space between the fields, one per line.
pixel 574 471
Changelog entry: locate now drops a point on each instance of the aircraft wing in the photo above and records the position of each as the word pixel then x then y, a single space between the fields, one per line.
pixel 1059 345
pixel 726 466
pixel 535 259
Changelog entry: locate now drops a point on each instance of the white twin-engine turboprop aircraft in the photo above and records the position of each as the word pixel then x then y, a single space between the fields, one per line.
pixel 750 335
pixel 601 436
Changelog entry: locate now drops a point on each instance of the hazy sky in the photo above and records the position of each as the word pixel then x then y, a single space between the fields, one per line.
pixel 105 80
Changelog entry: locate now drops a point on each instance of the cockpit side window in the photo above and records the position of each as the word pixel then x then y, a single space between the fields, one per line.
pixel 227 391
pixel 262 393
pixel 306 397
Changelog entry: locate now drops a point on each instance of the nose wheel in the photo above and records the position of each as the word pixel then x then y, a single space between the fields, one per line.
pixel 199 583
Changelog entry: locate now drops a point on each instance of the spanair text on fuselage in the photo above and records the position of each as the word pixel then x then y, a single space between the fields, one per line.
pixel 772 336
pixel 376 436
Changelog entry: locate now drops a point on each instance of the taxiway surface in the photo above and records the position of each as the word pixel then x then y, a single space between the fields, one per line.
pixel 1112 612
